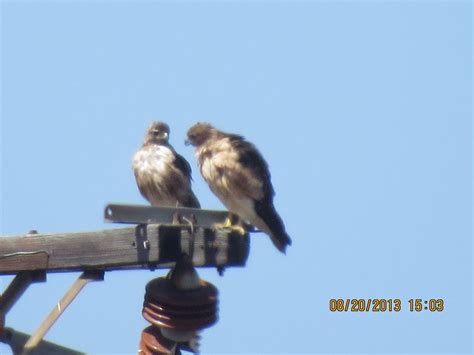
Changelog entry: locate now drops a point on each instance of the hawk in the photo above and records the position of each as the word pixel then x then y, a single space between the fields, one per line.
pixel 163 176
pixel 238 175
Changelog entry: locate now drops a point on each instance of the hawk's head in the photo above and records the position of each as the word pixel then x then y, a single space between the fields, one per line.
pixel 200 133
pixel 157 133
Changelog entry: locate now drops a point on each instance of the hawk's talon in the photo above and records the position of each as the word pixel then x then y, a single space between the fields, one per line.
pixel 238 229
pixel 219 226
pixel 227 225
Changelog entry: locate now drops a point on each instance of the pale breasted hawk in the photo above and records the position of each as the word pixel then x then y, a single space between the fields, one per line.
pixel 163 176
pixel 237 173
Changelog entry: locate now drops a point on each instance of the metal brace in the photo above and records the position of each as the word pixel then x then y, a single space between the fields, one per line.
pixel 69 296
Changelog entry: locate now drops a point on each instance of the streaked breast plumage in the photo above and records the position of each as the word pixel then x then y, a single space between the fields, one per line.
pixel 162 175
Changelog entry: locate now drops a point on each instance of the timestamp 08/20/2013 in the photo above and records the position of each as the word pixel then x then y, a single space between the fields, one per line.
pixel 385 305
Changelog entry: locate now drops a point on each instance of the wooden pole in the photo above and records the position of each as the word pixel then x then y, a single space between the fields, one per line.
pixel 144 246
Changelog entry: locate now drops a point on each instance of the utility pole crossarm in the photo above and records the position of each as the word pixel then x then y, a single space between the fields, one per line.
pixel 143 246
pixel 161 237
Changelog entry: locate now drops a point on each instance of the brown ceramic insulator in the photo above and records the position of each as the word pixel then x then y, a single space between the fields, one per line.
pixel 166 306
pixel 186 324
pixel 161 290
pixel 174 311
pixel 152 342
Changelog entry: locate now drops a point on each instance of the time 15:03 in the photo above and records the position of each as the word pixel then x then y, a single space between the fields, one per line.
pixel 418 305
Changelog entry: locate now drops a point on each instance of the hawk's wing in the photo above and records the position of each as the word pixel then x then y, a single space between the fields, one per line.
pixel 188 199
pixel 251 159
pixel 183 165
pixel 255 167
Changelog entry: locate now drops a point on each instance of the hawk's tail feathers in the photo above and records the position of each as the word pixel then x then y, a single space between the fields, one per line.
pixel 273 224
pixel 281 241
pixel 190 200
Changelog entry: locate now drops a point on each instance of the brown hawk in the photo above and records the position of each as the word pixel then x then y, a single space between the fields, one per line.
pixel 239 176
pixel 163 176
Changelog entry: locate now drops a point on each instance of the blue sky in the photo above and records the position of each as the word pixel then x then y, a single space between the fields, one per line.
pixel 362 109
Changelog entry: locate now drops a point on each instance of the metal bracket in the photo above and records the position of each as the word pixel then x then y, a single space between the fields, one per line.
pixel 135 214
pixel 17 287
pixel 15 290
pixel 69 296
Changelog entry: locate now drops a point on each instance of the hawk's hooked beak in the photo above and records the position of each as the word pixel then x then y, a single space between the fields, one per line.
pixel 187 142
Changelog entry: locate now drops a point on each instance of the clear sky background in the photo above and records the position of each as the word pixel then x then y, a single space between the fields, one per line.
pixel 362 109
